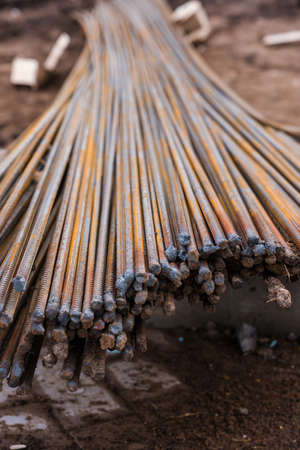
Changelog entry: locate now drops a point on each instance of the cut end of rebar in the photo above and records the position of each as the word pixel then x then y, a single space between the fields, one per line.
pixel 52 308
pixel 234 240
pixel 59 335
pixel 19 283
pixel 259 250
pixel 109 302
pixel 208 250
pixel 171 253
pixel 37 329
pixel 38 316
pixel 49 360
pixel 122 305
pixel 87 318
pixel 141 277
pixel 141 297
pixel 5 320
pixel 184 238
pixel 97 303
pixel 152 280
pixel 73 385
pixel 121 285
pixel 63 317
pixel 182 254
pixel 270 248
pixel 154 268
pixel 75 317
pixel 16 375
pixel 128 277
pixel 222 243
pixel 253 240
pixel 3 373
pixel 193 259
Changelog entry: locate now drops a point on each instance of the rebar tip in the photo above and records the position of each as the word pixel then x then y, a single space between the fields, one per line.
pixel 75 317
pixel 63 317
pixel 109 302
pixel 87 318
pixel 19 283
pixel 128 277
pixel 16 375
pixel 171 253
pixel 270 248
pixel 59 335
pixel 38 316
pixel 5 320
pixel 52 308
pixel 259 249
pixel 208 249
pixel 141 297
pixel 154 268
pixel 37 329
pixel 182 254
pixel 49 360
pixel 253 240
pixel 184 238
pixel 72 385
pixel 121 285
pixel 3 372
pixel 97 303
pixel 222 243
pixel 141 277
pixel 234 240
pixel 152 280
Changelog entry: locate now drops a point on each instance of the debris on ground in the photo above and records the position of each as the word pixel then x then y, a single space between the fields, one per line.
pixel 31 73
pixel 289 37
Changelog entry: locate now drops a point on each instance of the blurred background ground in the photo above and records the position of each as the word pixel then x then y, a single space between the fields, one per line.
pixel 219 382
pixel 266 77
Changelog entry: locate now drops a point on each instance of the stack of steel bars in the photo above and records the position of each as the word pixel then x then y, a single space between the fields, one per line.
pixel 145 182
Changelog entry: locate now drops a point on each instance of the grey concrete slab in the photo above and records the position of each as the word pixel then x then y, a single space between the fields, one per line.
pixel 73 408
pixel 140 379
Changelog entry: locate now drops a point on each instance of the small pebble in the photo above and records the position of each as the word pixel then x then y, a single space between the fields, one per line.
pixel 17 446
pixel 273 344
pixel 292 337
pixel 247 337
pixel 266 353
pixel 244 411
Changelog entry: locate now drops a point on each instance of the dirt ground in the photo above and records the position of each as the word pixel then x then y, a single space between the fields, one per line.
pixel 220 380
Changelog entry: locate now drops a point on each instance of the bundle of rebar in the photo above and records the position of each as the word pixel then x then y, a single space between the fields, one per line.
pixel 145 182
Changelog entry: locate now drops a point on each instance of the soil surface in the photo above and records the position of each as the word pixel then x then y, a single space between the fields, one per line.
pixel 231 401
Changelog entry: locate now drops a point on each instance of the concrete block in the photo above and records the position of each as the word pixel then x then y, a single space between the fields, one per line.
pixel 72 408
pixel 25 72
pixel 140 379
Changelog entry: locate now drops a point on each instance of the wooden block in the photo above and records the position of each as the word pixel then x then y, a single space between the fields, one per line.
pixel 193 18
pixel 56 52
pixel 26 72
